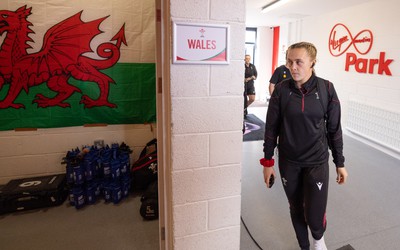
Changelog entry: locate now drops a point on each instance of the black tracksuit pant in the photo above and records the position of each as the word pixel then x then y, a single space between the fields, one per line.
pixel 306 188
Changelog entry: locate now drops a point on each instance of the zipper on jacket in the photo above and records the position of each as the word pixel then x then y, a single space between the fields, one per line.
pixel 303 92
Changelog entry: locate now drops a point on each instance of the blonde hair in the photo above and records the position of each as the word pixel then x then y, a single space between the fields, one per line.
pixel 309 47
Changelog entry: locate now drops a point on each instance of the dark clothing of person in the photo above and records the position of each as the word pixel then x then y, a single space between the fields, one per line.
pixel 306 189
pixel 303 134
pixel 301 128
pixel 281 73
pixel 249 72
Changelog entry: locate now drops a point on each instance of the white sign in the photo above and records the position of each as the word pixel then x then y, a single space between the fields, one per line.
pixel 201 43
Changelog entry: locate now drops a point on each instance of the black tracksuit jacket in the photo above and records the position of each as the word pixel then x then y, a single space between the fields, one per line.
pixel 301 127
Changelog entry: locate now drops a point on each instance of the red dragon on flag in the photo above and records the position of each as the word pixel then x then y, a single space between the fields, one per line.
pixel 61 57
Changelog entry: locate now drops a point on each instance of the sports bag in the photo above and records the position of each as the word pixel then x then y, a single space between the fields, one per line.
pixel 33 192
pixel 149 207
pixel 144 170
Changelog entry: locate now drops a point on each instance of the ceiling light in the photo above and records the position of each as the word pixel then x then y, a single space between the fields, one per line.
pixel 273 5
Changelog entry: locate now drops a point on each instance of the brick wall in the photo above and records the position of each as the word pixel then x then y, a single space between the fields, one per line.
pixel 206 116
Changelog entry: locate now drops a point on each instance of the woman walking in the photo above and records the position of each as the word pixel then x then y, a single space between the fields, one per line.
pixel 306 128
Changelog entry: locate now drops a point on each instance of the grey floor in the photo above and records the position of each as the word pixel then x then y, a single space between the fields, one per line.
pixel 101 226
pixel 364 213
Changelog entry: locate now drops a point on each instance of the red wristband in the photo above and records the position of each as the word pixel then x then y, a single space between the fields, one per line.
pixel 267 163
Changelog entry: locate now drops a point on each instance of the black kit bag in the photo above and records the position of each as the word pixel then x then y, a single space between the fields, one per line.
pixel 144 170
pixel 149 199
pixel 1 198
pixel 33 192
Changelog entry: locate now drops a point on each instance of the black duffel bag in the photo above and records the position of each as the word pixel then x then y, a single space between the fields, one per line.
pixel 149 206
pixel 144 170
pixel 33 192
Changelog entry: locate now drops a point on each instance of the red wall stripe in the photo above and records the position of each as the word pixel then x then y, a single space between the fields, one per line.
pixel 275 49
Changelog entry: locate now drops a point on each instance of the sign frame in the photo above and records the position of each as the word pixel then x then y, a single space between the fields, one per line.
pixel 197 57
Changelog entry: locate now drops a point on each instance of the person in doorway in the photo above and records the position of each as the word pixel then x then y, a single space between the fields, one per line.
pixel 306 131
pixel 281 73
pixel 250 74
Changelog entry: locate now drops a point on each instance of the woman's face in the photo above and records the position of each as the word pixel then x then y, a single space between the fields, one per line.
pixel 300 65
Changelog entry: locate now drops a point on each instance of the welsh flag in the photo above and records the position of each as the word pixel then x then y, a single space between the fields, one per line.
pixel 73 63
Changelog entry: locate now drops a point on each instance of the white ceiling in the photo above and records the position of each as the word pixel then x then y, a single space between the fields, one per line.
pixel 292 10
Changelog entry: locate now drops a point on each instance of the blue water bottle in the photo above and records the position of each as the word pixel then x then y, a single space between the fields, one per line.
pixel 107 190
pixel 79 197
pixel 116 192
pixel 125 164
pixel 88 166
pixel 79 173
pixel 90 192
pixel 125 185
pixel 115 169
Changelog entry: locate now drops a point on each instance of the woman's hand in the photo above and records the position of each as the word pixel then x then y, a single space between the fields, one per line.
pixel 267 174
pixel 341 175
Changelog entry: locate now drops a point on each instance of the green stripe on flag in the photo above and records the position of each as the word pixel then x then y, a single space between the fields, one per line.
pixel 134 93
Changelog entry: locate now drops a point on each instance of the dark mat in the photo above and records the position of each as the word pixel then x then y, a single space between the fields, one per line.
pixel 254 128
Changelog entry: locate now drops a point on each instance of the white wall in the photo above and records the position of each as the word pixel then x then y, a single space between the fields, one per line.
pixel 376 96
pixel 263 61
pixel 206 143
pixel 263 58
pixel 283 43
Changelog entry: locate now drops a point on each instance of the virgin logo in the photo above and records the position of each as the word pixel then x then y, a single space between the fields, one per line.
pixel 341 39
